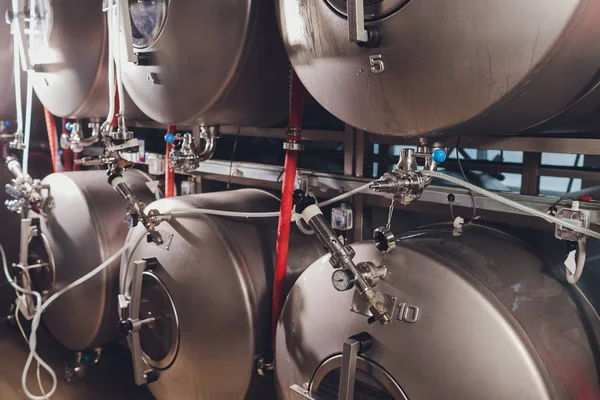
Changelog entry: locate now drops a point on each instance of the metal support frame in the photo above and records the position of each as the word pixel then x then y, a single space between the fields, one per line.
pixel 530 184
pixel 329 185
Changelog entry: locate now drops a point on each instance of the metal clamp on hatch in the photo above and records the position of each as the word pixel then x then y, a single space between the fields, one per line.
pixel 186 154
pixel 135 208
pixel 130 324
pixel 363 276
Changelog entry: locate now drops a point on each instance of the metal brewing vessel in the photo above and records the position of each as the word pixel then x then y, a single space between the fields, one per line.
pixel 479 315
pixel 69 53
pixel 470 67
pixel 210 293
pixel 84 227
pixel 207 62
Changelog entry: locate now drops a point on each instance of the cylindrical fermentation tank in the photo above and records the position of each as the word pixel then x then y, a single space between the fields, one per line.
pixel 207 62
pixel 210 293
pixel 476 316
pixel 462 67
pixel 85 226
pixel 69 53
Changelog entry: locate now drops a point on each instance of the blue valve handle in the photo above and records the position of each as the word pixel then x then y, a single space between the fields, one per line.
pixel 439 155
pixel 6 123
pixel 169 138
pixel 69 126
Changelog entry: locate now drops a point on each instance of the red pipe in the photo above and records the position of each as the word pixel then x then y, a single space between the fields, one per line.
pixel 115 120
pixel 169 173
pixel 52 137
pixel 297 94
pixel 76 167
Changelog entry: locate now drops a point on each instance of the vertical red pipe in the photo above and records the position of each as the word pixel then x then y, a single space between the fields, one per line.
pixel 51 128
pixel 169 173
pixel 76 167
pixel 115 121
pixel 297 93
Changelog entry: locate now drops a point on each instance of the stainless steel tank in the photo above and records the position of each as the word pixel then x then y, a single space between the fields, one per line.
pixel 69 50
pixel 462 67
pixel 85 227
pixel 211 294
pixel 477 316
pixel 207 62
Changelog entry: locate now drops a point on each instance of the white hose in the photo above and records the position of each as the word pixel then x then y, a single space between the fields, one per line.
pixel 345 195
pixel 17 68
pixel 32 336
pixel 573 278
pixel 41 308
pixel 27 138
pixel 116 39
pixel 512 203
pixel 111 73
pixel 185 212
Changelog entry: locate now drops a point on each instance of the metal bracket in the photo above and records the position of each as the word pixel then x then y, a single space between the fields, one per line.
pixel 348 372
pixel 129 312
pixel 299 393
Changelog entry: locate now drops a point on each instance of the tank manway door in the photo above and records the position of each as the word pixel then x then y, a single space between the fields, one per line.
pixel 149 320
pixel 350 376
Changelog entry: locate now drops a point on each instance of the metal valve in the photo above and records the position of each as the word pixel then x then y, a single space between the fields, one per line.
pixel 406 182
pixel 187 155
pixel 363 276
pixel 130 324
pixel 75 140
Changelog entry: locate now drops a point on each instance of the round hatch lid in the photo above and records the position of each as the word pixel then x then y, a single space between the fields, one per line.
pixel 372 382
pixel 148 19
pixel 160 339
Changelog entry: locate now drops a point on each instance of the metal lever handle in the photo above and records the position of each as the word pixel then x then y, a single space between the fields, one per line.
pixel 133 324
pixel 364 36
pixel 356 22
pixel 352 347
pixel 348 372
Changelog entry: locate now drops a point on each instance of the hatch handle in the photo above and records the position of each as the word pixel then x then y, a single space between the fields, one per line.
pixel 364 36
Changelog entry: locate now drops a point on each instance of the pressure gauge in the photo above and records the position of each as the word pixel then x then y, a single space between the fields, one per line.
pixel 342 280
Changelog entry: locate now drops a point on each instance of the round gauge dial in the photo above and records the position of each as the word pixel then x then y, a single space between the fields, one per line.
pixel 342 280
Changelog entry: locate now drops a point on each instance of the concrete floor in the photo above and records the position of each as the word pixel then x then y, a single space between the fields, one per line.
pixel 111 378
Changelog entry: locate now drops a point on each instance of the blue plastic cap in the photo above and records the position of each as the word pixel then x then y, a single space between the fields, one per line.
pixel 6 123
pixel 169 138
pixel 439 155
pixel 69 126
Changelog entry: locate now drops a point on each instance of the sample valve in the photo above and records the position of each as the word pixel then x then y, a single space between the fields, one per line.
pixel 363 276
pixel 406 182
pixel 186 154
pixel 75 140
pixel 116 165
